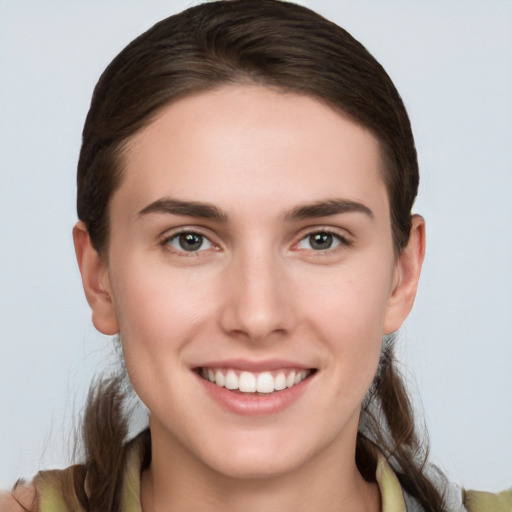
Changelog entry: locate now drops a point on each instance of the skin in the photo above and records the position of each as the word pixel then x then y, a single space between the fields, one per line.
pixel 256 290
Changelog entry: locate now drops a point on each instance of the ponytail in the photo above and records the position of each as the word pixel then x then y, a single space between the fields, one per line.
pixel 96 484
pixel 387 426
pixel 104 432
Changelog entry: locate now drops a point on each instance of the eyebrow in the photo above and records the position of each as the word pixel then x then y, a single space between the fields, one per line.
pixel 327 208
pixel 185 208
pixel 202 210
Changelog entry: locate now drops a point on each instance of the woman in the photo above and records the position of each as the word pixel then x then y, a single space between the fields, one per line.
pixel 245 187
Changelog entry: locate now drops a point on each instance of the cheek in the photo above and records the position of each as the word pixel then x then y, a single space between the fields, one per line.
pixel 159 310
pixel 349 302
pixel 346 312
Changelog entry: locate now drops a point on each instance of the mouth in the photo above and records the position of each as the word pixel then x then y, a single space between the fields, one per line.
pixel 255 383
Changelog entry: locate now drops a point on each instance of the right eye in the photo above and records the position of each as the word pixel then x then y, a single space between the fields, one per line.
pixel 323 240
pixel 320 241
pixel 189 241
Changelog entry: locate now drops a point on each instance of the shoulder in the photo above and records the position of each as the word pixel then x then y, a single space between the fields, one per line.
pixel 22 498
pixel 480 501
pixel 50 491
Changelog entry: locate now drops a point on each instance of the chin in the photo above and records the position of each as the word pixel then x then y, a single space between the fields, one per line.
pixel 262 467
pixel 258 455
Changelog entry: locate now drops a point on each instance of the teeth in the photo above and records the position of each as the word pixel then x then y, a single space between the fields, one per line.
pixel 265 383
pixel 280 382
pixel 219 379
pixel 300 376
pixel 248 382
pixel 231 381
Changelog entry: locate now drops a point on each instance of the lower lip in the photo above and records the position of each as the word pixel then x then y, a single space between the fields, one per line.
pixel 254 404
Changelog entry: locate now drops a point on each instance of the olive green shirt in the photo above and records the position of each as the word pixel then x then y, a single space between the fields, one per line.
pixel 49 485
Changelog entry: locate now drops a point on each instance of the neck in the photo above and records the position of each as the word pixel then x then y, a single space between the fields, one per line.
pixel 176 480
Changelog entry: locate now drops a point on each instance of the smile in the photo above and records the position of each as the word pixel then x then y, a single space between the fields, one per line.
pixel 248 382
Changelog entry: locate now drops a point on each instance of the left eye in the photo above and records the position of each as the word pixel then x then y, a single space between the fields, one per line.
pixel 320 241
pixel 189 242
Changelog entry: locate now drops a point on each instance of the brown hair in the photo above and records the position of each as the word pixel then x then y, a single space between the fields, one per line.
pixel 289 48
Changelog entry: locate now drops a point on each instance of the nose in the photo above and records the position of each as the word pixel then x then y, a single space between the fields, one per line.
pixel 256 304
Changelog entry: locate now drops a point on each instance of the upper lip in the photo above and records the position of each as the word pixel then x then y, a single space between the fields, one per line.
pixel 255 366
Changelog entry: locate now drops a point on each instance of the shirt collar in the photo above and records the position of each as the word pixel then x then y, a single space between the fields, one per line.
pixel 389 486
pixel 390 489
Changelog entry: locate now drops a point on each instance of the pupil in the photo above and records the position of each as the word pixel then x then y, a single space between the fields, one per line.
pixel 190 241
pixel 320 241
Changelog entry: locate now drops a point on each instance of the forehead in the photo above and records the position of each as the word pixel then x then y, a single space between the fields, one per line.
pixel 253 144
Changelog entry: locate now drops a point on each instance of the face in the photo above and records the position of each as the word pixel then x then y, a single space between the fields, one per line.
pixel 251 274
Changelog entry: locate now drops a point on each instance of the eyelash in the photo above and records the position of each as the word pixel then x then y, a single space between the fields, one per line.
pixel 166 243
pixel 342 241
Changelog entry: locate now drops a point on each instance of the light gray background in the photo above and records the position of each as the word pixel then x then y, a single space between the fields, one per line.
pixel 452 62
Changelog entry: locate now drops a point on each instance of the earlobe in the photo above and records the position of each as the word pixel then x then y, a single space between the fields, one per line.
pixel 408 270
pixel 95 280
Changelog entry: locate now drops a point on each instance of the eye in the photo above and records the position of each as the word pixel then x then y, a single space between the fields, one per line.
pixel 189 241
pixel 320 241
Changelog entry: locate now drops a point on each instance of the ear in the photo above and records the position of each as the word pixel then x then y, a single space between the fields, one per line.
pixel 96 281
pixel 408 268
